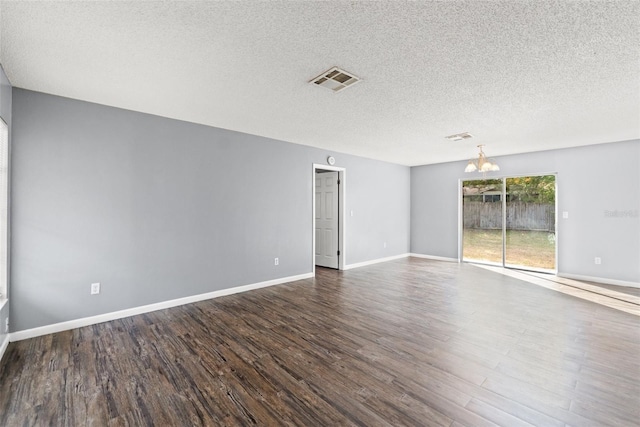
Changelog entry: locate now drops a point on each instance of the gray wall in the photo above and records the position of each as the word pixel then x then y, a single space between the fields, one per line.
pixel 156 209
pixel 5 113
pixel 591 181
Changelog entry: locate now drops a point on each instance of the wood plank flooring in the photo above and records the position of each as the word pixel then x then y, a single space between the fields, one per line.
pixel 408 342
pixel 600 295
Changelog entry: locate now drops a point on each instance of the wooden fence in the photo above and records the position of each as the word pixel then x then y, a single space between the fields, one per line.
pixel 520 216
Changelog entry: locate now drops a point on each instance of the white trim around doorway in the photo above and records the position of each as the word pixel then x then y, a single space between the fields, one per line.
pixel 342 198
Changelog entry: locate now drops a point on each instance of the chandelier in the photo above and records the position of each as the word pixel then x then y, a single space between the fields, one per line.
pixel 482 164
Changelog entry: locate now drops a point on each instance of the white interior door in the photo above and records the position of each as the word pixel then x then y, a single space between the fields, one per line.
pixel 327 219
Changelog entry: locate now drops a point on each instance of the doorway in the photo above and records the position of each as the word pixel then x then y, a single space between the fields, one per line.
pixel 510 222
pixel 327 227
pixel 328 216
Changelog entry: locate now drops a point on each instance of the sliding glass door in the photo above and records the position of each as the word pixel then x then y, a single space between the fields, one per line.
pixel 510 222
pixel 482 224
pixel 530 237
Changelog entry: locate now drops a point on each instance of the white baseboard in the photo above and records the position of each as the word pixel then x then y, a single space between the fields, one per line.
pixel 87 321
pixel 600 280
pixel 374 261
pixel 434 257
pixel 3 345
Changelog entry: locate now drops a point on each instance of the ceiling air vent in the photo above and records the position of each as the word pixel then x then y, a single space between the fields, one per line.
pixel 335 79
pixel 459 136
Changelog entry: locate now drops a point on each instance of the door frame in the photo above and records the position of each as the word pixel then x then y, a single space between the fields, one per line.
pixel 342 197
pixel 504 222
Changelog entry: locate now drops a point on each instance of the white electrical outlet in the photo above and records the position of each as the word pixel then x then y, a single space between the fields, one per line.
pixel 598 260
pixel 276 261
pixel 565 215
pixel 384 245
pixel 6 325
pixel 95 288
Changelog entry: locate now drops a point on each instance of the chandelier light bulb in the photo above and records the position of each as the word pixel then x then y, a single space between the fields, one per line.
pixel 470 167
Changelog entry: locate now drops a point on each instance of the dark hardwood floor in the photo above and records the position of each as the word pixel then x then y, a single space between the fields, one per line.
pixel 408 342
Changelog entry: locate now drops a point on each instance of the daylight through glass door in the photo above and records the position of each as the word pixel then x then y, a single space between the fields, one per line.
pixel 530 238
pixel 482 220
pixel 510 222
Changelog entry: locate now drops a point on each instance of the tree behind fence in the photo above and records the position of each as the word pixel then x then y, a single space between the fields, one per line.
pixel 520 216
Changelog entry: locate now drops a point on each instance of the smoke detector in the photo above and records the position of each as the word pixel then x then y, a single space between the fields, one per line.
pixel 335 79
pixel 459 136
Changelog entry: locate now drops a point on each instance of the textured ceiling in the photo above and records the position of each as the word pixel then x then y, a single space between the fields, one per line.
pixel 519 76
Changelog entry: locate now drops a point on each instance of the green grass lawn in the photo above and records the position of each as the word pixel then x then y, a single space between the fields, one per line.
pixel 527 248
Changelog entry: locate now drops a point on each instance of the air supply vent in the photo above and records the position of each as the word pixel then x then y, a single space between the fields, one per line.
pixel 459 136
pixel 335 79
